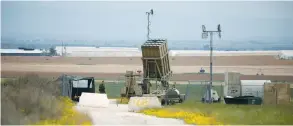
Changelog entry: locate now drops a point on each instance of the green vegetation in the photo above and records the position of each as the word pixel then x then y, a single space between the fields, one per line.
pixel 31 99
pixel 193 91
pixel 240 114
pixel 224 114
pixel 29 105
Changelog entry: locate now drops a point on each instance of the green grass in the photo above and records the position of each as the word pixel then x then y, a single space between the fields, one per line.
pixel 242 114
pixel 227 114
pixel 193 92
pixel 3 80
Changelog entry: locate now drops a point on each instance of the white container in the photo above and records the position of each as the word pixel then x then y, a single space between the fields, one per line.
pixel 232 90
pixel 232 78
pixel 253 87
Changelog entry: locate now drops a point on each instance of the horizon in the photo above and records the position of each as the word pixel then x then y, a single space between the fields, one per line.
pixel 126 21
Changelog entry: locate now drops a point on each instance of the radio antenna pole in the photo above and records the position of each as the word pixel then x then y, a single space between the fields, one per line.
pixel 151 12
pixel 205 35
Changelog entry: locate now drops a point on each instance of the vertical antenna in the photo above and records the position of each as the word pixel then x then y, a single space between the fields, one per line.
pixel 205 35
pixel 149 23
pixel 62 49
pixel 65 50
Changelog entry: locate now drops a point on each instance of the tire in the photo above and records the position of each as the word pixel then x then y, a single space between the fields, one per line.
pixel 172 102
pixel 219 100
pixel 180 100
pixel 202 100
pixel 163 102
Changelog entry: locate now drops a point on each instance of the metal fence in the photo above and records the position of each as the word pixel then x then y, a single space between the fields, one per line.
pixel 194 90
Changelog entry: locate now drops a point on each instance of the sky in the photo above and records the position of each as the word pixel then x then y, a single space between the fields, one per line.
pixel 96 20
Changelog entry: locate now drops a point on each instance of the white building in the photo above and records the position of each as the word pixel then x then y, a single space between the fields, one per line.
pixel 21 52
pixel 136 52
pixel 98 51
pixel 286 54
pixel 222 53
pixel 253 87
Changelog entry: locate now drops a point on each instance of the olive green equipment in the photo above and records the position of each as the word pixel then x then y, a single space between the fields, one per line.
pixel 156 71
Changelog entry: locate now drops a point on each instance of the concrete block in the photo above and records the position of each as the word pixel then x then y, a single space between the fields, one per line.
pixel 93 100
pixel 137 104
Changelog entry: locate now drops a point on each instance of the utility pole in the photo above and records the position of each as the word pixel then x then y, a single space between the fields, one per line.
pixel 151 12
pixel 62 53
pixel 205 35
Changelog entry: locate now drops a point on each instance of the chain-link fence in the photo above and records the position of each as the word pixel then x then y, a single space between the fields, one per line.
pixel 194 90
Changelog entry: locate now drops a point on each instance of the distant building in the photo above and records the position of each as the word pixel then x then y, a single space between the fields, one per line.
pixel 21 52
pixel 286 55
pixel 73 51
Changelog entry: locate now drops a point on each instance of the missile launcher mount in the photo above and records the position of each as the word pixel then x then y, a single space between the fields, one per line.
pixel 156 68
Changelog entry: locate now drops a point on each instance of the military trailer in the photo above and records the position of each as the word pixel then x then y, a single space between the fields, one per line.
pixel 131 88
pixel 156 68
pixel 73 86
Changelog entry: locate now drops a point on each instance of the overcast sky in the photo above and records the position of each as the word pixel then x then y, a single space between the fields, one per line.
pixel 128 21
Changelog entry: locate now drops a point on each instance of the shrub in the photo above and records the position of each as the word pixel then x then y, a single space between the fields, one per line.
pixel 30 99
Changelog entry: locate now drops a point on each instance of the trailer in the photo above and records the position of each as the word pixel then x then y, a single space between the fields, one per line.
pixel 156 67
pixel 74 86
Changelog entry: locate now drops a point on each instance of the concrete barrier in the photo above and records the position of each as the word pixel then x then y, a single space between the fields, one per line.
pixel 93 100
pixel 136 104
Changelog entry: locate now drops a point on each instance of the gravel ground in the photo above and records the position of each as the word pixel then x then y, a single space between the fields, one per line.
pixel 119 115
pixel 116 68
pixel 174 61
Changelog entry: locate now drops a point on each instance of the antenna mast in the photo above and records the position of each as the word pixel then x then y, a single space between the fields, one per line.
pixel 205 35
pixel 151 12
pixel 62 53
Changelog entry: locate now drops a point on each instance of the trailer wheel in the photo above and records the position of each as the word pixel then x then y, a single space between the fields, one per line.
pixel 219 100
pixel 202 100
pixel 168 102
pixel 180 100
pixel 173 103
pixel 163 102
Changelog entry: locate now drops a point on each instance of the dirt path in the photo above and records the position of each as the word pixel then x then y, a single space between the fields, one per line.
pixel 116 68
pixel 119 115
pixel 174 61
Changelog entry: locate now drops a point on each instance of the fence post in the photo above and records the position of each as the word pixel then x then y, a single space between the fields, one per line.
pixel 222 89
pixel 276 95
pixel 186 90
pixel 202 91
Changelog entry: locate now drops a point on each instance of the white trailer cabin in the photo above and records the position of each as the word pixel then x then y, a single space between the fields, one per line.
pixel 253 87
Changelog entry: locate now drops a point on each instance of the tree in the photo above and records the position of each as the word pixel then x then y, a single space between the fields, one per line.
pixel 53 51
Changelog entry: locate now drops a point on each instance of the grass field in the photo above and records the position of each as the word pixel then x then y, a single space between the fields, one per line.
pixel 193 92
pixel 208 114
pixel 35 100
pixel 199 113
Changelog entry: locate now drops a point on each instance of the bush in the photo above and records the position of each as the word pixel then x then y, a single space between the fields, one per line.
pixel 30 99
